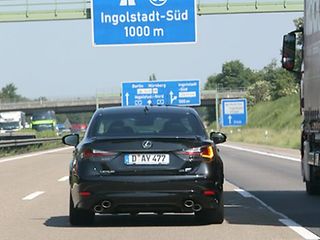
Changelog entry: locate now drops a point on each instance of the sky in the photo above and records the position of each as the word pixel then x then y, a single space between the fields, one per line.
pixel 55 59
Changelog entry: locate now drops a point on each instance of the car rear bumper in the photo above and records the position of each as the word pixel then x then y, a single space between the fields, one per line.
pixel 146 194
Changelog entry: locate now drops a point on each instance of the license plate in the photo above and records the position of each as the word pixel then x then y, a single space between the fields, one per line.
pixel 146 159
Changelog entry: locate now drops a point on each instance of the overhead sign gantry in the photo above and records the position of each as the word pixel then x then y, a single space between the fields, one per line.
pixel 35 10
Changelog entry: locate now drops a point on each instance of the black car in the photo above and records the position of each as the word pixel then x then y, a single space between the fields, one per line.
pixel 146 159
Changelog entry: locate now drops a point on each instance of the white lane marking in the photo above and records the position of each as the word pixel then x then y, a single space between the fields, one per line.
pixel 262 153
pixel 63 179
pixel 33 154
pixel 303 232
pixel 32 195
pixel 306 234
pixel 243 193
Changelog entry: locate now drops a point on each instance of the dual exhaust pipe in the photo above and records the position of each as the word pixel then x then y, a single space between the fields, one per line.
pixel 194 206
pixel 107 204
pixel 104 205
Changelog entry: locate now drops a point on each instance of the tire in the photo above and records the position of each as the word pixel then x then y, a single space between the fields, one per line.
pixel 311 188
pixel 214 216
pixel 79 217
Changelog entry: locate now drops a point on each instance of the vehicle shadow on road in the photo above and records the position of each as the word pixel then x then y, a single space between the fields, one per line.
pixel 297 205
pixel 130 221
pixel 238 211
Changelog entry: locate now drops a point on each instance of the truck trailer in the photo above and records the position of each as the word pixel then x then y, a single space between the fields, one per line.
pixel 309 73
pixel 12 121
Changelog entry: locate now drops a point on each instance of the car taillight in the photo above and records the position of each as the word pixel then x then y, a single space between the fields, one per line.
pixel 205 152
pixel 94 153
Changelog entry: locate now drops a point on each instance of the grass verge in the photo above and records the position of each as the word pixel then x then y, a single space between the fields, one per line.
pixel 275 123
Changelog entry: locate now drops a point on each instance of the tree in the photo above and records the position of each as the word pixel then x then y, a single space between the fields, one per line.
pixel 282 82
pixel 9 93
pixel 258 92
pixel 152 77
pixel 233 75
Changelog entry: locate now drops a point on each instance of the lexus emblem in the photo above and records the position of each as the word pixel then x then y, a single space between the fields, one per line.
pixel 146 144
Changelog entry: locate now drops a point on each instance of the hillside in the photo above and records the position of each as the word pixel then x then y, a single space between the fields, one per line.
pixel 273 123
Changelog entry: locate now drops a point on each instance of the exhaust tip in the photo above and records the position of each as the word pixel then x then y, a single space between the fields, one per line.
pixel 189 203
pixel 197 208
pixel 106 204
pixel 98 209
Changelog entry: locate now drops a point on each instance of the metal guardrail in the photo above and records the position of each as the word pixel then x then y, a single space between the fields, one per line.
pixel 26 142
pixel 41 10
pixel 209 7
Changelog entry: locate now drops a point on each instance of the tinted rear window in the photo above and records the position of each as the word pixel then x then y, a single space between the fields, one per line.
pixel 150 124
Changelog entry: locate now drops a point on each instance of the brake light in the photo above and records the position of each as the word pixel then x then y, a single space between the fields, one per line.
pixel 92 153
pixel 84 194
pixel 204 152
pixel 209 193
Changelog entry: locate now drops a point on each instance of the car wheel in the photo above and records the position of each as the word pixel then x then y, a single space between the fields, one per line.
pixel 215 216
pixel 79 217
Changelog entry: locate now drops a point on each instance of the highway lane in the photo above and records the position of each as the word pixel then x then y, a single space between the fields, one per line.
pixel 45 215
pixel 276 181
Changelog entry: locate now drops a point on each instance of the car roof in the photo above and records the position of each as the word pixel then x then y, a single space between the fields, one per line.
pixel 155 109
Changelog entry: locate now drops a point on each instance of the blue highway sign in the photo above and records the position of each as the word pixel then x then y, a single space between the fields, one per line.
pixel 234 112
pixel 180 92
pixel 126 22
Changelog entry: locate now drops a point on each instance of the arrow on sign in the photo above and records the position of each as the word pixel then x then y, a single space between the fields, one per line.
pixel 230 118
pixel 127 99
pixel 149 102
pixel 172 98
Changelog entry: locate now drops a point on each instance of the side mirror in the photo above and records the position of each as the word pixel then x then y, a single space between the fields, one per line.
pixel 71 139
pixel 218 137
pixel 289 51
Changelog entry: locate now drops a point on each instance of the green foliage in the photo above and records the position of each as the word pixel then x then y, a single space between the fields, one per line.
pixel 274 123
pixel 281 114
pixel 282 82
pixel 152 77
pixel 233 75
pixel 286 138
pixel 9 94
pixel 258 92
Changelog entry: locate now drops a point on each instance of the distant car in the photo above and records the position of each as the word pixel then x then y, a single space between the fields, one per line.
pixel 146 159
pixel 61 129
pixel 78 127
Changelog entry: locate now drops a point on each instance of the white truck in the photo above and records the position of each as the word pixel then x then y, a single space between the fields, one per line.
pixel 12 121
pixel 309 73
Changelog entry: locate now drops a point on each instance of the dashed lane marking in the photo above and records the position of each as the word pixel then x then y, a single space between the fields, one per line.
pixel 63 179
pixel 303 232
pixel 32 196
pixel 243 193
pixel 306 234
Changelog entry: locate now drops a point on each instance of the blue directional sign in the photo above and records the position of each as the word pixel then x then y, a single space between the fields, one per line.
pixel 125 22
pixel 234 112
pixel 180 92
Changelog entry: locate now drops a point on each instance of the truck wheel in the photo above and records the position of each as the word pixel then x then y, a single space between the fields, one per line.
pixel 311 188
pixel 79 217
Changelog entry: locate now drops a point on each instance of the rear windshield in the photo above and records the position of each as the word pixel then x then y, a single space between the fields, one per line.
pixel 43 116
pixel 146 124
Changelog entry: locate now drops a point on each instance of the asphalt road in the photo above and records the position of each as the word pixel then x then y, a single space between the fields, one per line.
pixel 276 181
pixel 34 203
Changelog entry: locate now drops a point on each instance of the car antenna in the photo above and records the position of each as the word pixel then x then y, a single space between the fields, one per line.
pixel 146 109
